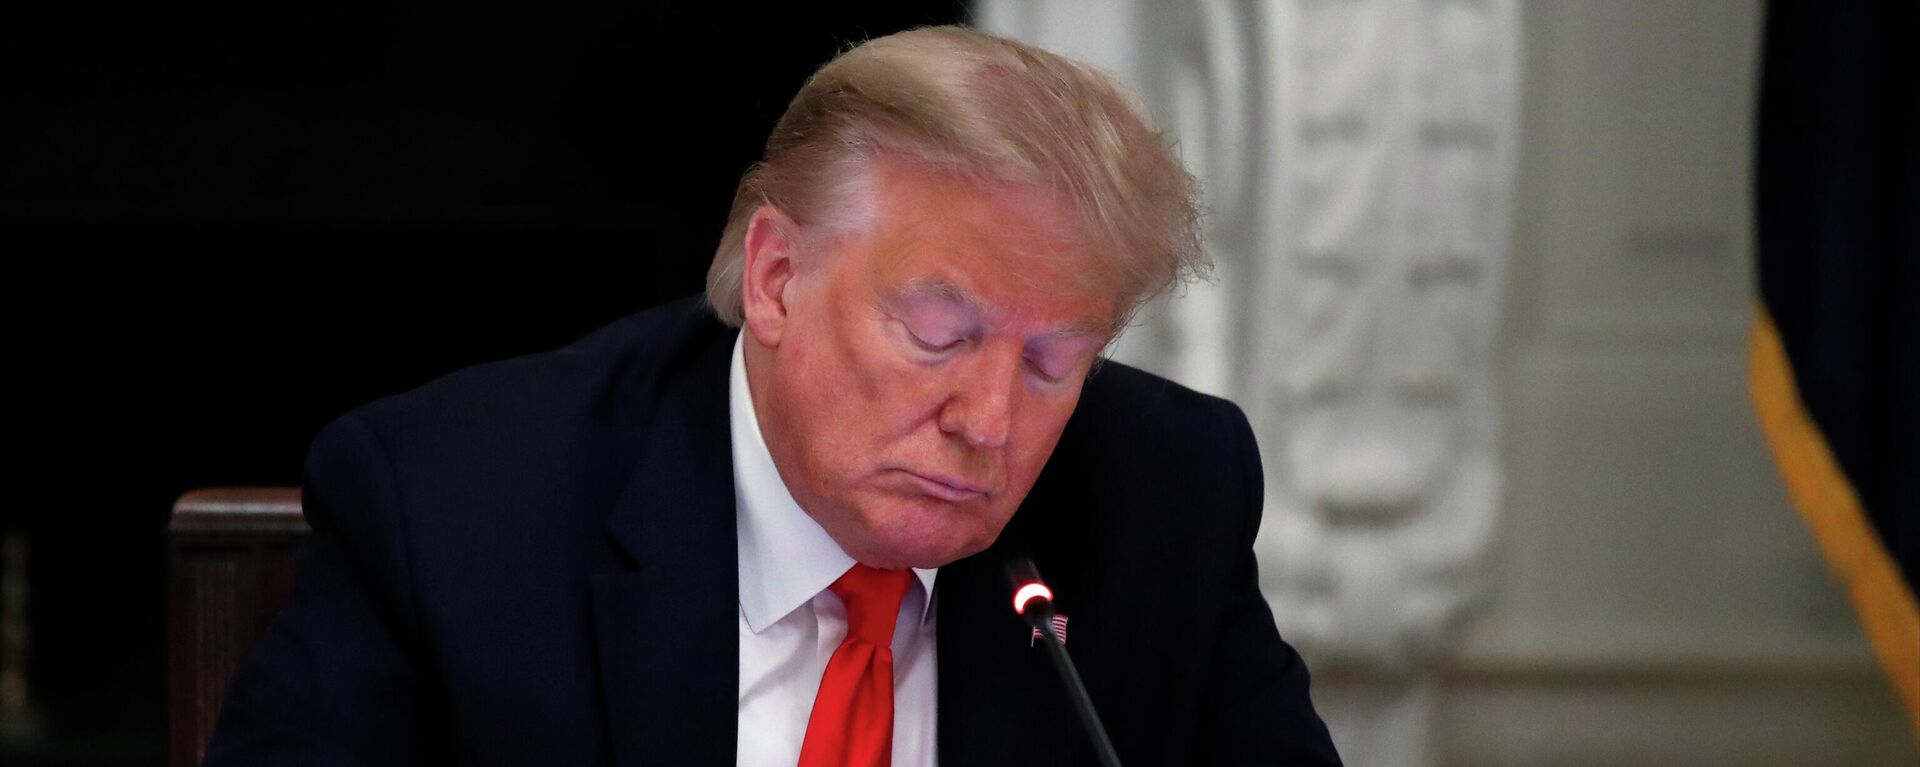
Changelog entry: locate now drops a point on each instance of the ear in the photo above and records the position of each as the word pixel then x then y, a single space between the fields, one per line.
pixel 768 272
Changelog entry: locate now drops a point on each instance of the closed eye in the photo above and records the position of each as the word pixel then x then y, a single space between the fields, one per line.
pixel 929 345
pixel 1054 361
pixel 1040 371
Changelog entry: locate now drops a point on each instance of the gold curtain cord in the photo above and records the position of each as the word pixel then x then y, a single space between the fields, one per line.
pixel 1828 503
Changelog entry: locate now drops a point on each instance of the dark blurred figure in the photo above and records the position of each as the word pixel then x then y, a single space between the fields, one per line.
pixel 202 197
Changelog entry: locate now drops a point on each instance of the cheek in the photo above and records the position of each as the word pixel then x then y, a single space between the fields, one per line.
pixel 863 398
pixel 1036 434
pixel 898 395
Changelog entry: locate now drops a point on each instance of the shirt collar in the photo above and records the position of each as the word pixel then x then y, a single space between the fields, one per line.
pixel 785 556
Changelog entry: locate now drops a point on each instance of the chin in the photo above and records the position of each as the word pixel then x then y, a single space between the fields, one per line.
pixel 923 534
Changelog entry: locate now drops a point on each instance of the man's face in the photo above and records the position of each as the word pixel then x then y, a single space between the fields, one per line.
pixel 925 366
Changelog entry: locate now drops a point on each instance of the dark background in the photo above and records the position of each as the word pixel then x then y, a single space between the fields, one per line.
pixel 230 223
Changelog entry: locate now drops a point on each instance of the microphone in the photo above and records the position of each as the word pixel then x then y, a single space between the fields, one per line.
pixel 1034 601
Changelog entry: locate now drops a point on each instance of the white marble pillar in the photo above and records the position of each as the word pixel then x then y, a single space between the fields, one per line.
pixel 1358 159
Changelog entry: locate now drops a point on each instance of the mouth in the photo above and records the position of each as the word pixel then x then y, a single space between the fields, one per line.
pixel 947 488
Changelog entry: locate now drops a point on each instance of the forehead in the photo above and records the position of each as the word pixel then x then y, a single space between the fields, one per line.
pixel 1005 250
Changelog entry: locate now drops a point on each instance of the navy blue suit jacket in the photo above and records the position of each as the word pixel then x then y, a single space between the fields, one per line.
pixel 533 562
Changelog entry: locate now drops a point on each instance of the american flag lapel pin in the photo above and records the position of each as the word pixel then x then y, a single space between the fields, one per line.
pixel 1059 627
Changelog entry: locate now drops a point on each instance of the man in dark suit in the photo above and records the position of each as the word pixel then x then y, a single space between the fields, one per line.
pixel 767 526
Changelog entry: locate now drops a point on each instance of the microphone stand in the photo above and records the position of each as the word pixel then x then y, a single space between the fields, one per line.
pixel 1038 610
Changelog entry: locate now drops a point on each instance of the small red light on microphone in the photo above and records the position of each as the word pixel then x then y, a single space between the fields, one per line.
pixel 1028 593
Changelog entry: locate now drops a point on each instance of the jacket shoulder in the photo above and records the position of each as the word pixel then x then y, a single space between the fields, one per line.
pixel 1124 403
pixel 539 445
pixel 602 377
pixel 1138 440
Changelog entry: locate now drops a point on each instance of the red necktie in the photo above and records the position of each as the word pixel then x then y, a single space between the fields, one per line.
pixel 852 720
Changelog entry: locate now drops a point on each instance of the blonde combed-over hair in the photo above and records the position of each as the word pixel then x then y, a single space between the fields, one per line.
pixel 986 108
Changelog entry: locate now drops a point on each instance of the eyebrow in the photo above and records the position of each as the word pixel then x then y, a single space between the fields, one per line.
pixel 934 287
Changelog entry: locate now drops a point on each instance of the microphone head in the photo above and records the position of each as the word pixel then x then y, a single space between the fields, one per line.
pixel 1029 591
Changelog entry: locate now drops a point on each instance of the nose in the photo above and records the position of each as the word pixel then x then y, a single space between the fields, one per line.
pixel 980 406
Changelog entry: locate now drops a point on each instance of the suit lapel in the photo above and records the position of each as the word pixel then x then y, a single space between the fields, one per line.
pixel 667 619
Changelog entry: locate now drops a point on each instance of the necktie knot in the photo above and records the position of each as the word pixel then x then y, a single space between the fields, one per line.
pixel 873 600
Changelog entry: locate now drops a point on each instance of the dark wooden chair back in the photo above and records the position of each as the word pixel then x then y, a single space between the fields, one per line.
pixel 230 569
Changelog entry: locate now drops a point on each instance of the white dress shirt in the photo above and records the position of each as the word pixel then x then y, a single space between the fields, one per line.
pixel 790 623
